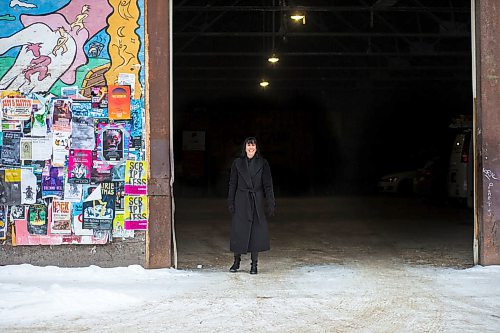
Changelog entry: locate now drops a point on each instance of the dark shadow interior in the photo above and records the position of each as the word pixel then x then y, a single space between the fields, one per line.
pixel 362 89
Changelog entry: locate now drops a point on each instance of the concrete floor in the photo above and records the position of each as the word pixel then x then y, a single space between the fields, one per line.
pixel 377 230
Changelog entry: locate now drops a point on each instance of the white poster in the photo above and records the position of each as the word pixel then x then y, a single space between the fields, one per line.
pixel 28 187
pixel 73 192
pixel 41 148
pixel 60 148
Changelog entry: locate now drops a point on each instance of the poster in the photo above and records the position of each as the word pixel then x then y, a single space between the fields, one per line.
pixel 73 192
pixel 136 212
pixel 112 141
pixel 11 153
pixel 136 176
pixel 99 213
pixel 16 108
pixel 118 102
pixel 61 115
pixel 37 220
pixel 3 223
pixel 28 187
pixel 41 148
pixel 99 97
pixel 81 109
pixel 10 187
pixel 69 92
pixel 82 133
pixel 12 125
pixel 127 79
pixel 120 196
pixel 17 212
pixel 101 172
pixel 79 166
pixel 39 126
pixel 137 117
pixel 52 182
pixel 61 217
pixel 26 149
pixel 60 148
pixel 119 227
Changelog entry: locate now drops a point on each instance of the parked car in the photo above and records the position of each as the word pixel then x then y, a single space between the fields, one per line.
pixel 400 182
pixel 430 180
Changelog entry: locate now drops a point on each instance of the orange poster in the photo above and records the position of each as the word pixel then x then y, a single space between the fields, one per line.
pixel 119 102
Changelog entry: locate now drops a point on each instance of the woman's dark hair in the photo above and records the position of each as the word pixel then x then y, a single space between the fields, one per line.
pixel 250 139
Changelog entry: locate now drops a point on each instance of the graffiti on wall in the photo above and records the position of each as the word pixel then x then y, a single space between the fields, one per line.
pixel 46 44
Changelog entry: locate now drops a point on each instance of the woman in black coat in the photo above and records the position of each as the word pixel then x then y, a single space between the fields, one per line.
pixel 250 186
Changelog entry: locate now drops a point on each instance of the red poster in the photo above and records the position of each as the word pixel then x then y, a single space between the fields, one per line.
pixel 119 102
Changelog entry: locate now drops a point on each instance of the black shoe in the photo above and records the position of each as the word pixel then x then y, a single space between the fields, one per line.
pixel 236 265
pixel 253 267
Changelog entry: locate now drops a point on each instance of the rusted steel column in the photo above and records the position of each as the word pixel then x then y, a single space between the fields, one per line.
pixel 158 236
pixel 488 129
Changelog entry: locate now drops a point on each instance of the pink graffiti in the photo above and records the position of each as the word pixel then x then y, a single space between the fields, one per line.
pixel 96 21
pixel 39 64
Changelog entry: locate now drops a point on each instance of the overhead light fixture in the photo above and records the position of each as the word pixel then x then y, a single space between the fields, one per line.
pixel 299 17
pixel 264 83
pixel 273 59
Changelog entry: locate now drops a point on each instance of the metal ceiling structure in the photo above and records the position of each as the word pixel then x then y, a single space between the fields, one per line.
pixel 344 43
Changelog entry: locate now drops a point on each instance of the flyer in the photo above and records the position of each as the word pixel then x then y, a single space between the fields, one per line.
pixel 61 217
pixel 73 192
pixel 26 149
pixel 118 102
pixel 37 220
pixel 61 141
pixel 16 108
pixel 136 177
pixel 82 133
pixel 41 148
pixel 81 109
pixel 61 115
pixel 77 214
pixel 11 149
pixel 137 117
pixel 52 182
pixel 99 213
pixel 18 212
pixel 99 97
pixel 10 187
pixel 101 172
pixel 112 142
pixel 69 92
pixel 39 126
pixel 28 187
pixel 127 79
pixel 79 166
pixel 136 212
pixel 119 227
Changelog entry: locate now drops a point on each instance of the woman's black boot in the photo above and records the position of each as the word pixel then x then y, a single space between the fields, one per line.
pixel 253 267
pixel 236 264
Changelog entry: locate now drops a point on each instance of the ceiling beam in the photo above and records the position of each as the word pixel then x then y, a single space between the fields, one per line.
pixel 320 9
pixel 328 54
pixel 325 34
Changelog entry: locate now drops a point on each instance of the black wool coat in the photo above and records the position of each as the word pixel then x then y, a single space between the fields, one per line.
pixel 249 192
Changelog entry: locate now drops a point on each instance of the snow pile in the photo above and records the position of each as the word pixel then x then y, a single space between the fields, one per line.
pixel 357 298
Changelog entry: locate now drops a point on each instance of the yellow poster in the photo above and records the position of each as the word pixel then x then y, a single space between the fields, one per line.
pixel 136 212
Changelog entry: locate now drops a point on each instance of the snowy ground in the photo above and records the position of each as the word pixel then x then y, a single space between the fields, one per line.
pixel 361 297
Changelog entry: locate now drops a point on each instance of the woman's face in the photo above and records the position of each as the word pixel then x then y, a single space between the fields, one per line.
pixel 250 149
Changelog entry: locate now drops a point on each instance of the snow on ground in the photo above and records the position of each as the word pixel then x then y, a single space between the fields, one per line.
pixel 367 297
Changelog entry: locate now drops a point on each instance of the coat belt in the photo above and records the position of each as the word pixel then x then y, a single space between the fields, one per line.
pixel 252 202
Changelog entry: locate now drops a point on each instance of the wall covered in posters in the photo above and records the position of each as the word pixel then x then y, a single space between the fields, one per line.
pixel 72 120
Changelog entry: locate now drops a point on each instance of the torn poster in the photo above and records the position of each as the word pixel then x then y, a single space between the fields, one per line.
pixel 61 141
pixel 37 220
pixel 61 115
pixel 73 192
pixel 61 217
pixel 136 212
pixel 28 187
pixel 10 187
pixel 52 182
pixel 82 133
pixel 18 212
pixel 79 166
pixel 119 227
pixel 11 154
pixel 99 214
pixel 118 102
pixel 136 177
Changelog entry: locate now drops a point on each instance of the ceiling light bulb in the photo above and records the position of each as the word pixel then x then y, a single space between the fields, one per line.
pixel 273 59
pixel 263 83
pixel 299 17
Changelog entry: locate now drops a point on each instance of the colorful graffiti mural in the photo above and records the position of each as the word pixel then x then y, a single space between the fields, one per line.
pixel 47 44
